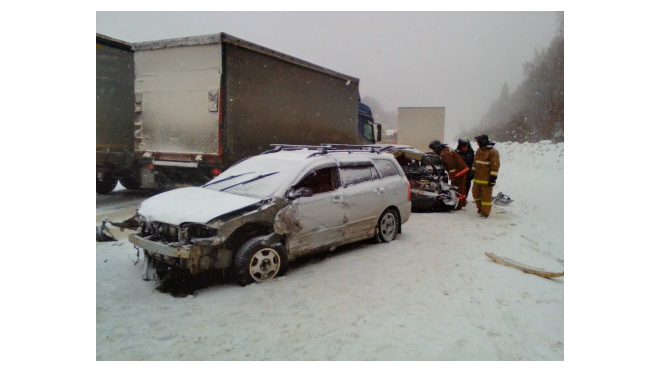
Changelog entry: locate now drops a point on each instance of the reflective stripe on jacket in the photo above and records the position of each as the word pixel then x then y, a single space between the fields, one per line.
pixel 468 158
pixel 486 163
pixel 453 163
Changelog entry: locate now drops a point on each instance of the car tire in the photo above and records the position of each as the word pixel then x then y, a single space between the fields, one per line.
pixel 258 261
pixel 105 185
pixel 388 226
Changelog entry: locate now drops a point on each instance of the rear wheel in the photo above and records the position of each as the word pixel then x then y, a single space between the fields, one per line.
pixel 259 261
pixel 130 182
pixel 105 185
pixel 388 226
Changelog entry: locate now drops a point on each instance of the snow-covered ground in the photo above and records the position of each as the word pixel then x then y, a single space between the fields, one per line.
pixel 431 294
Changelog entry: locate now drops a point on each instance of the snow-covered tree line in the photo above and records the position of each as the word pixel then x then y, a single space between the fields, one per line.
pixel 535 110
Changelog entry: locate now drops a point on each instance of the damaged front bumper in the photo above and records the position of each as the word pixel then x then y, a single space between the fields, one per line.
pixel 203 255
pixel 170 254
pixel 173 250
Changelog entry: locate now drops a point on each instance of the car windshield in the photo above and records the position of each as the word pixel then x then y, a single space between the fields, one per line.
pixel 257 177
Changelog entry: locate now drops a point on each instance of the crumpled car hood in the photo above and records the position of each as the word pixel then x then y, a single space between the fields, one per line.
pixel 193 204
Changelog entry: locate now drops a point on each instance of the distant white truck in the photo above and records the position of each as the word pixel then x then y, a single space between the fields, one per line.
pixel 418 126
pixel 391 136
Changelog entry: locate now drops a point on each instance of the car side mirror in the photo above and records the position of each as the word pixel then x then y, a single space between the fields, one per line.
pixel 300 192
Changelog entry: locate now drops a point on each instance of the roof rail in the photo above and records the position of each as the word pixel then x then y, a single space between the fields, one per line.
pixel 326 148
pixel 375 148
pixel 291 147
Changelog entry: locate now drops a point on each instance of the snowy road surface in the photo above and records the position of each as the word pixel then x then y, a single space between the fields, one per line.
pixel 431 294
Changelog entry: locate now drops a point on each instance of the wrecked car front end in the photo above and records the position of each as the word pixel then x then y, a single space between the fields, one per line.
pixel 198 246
pixel 429 187
pixel 428 195
pixel 191 247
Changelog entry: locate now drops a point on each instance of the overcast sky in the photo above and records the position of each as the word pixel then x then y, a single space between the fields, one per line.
pixel 457 60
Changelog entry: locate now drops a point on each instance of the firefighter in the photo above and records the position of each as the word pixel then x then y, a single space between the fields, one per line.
pixel 456 169
pixel 464 149
pixel 485 167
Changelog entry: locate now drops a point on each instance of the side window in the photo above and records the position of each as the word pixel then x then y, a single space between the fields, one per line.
pixel 386 168
pixel 321 180
pixel 357 174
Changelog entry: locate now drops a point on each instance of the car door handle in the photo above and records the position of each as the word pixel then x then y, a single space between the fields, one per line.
pixel 337 199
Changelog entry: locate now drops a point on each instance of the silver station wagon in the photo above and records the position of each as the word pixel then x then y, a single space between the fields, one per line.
pixel 270 209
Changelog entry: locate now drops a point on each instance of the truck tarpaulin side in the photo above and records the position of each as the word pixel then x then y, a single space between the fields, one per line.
pixel 114 114
pixel 202 103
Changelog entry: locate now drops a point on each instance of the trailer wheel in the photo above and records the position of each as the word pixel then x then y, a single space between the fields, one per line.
pixel 388 226
pixel 105 185
pixel 130 182
pixel 257 261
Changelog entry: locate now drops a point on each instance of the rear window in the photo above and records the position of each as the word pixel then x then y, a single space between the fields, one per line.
pixel 357 174
pixel 386 168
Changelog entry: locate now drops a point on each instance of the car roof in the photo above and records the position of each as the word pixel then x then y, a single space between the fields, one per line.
pixel 341 153
pixel 304 157
pixel 292 163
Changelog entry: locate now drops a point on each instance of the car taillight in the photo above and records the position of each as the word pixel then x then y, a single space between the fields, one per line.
pixel 408 191
pixel 216 171
pixel 150 166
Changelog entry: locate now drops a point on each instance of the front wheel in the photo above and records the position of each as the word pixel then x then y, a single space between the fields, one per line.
pixel 388 226
pixel 259 261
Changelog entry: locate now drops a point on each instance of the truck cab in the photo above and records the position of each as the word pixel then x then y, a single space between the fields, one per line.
pixel 368 129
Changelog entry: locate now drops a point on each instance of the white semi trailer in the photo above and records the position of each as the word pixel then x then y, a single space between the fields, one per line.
pixel 418 126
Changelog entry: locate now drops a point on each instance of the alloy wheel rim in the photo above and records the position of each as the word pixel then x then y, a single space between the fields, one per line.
pixel 264 264
pixel 388 226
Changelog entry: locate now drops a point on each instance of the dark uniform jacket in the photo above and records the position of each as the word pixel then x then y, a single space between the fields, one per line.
pixel 468 158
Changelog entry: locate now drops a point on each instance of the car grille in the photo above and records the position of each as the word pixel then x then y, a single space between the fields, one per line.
pixel 163 232
pixel 169 233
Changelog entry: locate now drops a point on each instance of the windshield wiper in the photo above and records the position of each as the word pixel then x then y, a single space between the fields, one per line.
pixel 222 180
pixel 250 180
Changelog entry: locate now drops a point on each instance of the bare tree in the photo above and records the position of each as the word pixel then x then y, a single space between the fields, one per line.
pixel 535 110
